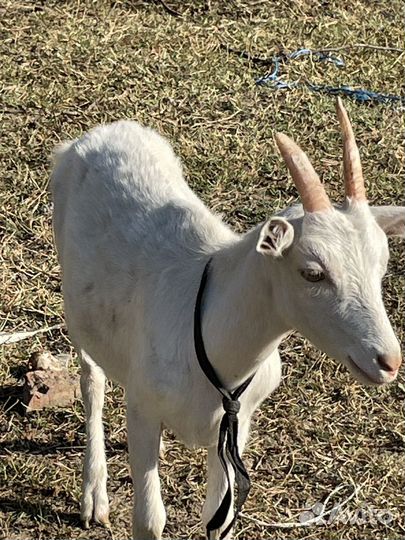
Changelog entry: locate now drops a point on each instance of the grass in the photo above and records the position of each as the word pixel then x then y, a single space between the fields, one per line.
pixel 68 65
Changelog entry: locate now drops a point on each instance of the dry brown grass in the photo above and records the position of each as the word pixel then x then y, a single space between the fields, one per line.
pixel 68 65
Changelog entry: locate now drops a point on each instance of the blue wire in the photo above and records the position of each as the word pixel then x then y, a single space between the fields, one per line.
pixel 360 94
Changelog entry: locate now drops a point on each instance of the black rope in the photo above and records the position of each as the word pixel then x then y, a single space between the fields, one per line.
pixel 228 429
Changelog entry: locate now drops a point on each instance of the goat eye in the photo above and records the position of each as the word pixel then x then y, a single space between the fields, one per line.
pixel 313 275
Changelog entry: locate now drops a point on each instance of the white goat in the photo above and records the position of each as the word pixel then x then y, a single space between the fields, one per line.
pixel 133 241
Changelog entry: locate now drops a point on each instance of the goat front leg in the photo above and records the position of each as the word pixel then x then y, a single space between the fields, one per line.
pixel 149 516
pixel 217 484
pixel 94 502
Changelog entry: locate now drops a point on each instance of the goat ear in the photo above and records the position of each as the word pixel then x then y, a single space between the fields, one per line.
pixel 275 236
pixel 391 219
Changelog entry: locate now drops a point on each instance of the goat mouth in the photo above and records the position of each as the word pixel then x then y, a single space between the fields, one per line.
pixel 357 370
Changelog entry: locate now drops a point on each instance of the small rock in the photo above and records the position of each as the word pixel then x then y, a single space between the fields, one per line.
pixel 48 383
pixel 45 360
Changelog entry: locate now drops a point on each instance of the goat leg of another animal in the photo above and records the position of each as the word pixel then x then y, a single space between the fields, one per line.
pixel 94 502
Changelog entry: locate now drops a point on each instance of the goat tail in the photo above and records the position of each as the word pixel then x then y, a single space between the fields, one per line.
pixel 59 159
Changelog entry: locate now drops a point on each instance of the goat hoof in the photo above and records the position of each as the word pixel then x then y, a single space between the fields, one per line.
pixel 104 521
pixel 101 520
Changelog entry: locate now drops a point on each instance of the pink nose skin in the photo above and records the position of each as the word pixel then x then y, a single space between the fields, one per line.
pixel 388 363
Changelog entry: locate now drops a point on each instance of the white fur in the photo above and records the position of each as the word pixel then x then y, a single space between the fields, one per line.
pixel 133 240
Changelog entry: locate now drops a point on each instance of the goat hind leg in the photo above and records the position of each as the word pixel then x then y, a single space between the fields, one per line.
pixel 94 501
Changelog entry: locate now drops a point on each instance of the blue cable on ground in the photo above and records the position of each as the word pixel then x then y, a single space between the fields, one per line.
pixel 275 81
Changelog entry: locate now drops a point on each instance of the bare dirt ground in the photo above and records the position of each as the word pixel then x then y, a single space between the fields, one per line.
pixel 68 65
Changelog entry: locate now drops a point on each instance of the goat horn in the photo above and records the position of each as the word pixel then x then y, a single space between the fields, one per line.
pixel 354 181
pixel 312 192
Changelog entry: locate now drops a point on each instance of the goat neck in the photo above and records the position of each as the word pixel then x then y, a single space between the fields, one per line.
pixel 241 323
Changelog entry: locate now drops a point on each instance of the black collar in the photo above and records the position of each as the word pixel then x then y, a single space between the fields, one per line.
pixel 228 430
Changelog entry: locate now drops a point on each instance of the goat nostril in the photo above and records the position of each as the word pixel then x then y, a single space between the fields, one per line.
pixel 388 363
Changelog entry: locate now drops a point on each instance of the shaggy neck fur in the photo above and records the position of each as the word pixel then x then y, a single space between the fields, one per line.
pixel 238 307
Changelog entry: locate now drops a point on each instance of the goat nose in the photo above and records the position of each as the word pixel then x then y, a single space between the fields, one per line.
pixel 389 363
